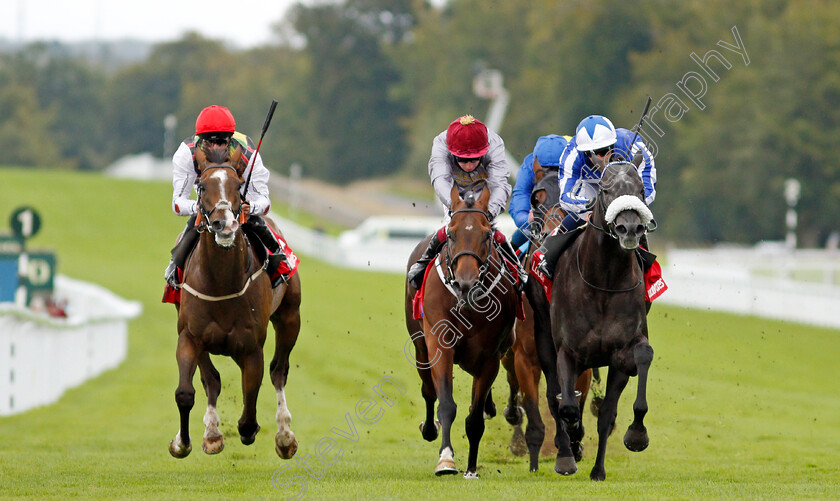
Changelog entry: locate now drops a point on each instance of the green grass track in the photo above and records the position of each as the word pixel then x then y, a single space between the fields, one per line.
pixel 740 407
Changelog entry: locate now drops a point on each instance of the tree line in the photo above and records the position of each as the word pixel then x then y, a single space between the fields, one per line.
pixel 745 96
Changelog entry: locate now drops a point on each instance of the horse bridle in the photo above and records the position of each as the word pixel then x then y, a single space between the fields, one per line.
pixel 482 263
pixel 610 231
pixel 205 221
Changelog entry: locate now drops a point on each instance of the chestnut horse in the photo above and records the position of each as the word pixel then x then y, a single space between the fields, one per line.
pixel 469 304
pixel 226 304
pixel 600 320
pixel 521 361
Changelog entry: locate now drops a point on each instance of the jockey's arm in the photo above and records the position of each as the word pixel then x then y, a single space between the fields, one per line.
pixel 183 179
pixel 258 197
pixel 647 171
pixel 571 200
pixel 497 175
pixel 440 171
pixel 520 200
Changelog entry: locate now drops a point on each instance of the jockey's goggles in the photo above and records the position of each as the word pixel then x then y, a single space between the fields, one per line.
pixel 467 160
pixel 216 137
pixel 601 152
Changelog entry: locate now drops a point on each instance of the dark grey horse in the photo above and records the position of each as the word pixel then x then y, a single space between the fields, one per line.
pixel 600 319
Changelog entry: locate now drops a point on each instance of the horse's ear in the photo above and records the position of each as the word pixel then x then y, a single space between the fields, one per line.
pixel 200 159
pixel 455 197
pixel 484 199
pixel 237 160
pixel 638 159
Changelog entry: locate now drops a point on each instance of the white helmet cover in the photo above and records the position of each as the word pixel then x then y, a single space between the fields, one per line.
pixel 594 132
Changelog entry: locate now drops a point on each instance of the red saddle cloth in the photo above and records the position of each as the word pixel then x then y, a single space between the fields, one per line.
pixel 540 277
pixel 655 285
pixel 288 268
pixel 417 300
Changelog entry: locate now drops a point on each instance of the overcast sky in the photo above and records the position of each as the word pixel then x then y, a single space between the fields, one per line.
pixel 245 23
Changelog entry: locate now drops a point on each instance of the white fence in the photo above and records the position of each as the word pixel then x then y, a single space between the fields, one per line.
pixel 41 357
pixel 751 281
pixel 380 243
pixel 754 282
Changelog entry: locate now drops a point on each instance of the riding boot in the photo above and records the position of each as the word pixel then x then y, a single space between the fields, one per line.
pixel 648 257
pixel 507 249
pixel 555 244
pixel 277 257
pixel 180 252
pixel 418 269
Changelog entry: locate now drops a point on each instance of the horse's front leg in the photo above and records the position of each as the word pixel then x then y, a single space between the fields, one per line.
pixel 482 383
pixel 513 412
pixel 547 355
pixel 568 410
pixel 180 446
pixel 636 438
pixel 529 375
pixel 286 322
pixel 214 441
pixel 442 379
pixel 616 381
pixel 584 381
pixel 252 374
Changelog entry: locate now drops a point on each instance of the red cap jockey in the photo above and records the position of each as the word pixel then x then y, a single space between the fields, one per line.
pixel 215 119
pixel 466 137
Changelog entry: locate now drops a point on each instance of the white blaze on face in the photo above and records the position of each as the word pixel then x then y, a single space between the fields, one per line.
pixel 224 206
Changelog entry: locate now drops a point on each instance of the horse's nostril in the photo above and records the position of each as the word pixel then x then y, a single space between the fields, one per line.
pixel 218 225
pixel 640 229
pixel 620 229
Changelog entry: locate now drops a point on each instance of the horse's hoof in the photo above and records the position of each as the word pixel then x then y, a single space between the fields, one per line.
pixel 598 474
pixel 179 452
pixel 213 445
pixel 431 434
pixel 445 467
pixel 517 446
pixel 565 466
pixel 470 475
pixel 250 440
pixel 514 416
pixel 636 440
pixel 285 451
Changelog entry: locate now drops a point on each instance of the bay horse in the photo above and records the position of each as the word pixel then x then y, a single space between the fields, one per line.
pixel 601 318
pixel 521 361
pixel 469 303
pixel 226 312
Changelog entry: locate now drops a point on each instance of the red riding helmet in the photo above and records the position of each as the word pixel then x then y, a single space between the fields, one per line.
pixel 466 137
pixel 215 119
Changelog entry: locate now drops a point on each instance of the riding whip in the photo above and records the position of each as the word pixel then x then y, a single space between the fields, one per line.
pixel 254 156
pixel 639 126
